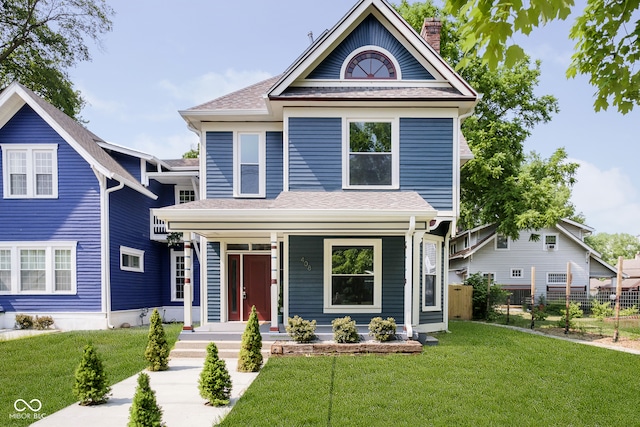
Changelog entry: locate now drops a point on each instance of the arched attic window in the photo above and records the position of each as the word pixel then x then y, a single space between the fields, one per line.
pixel 370 64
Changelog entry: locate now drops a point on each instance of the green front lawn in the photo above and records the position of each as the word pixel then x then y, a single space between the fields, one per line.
pixel 43 367
pixel 478 375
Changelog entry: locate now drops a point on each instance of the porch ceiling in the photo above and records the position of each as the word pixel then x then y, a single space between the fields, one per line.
pixel 361 212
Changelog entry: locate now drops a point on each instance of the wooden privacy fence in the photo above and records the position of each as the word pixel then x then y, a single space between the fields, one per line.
pixel 460 303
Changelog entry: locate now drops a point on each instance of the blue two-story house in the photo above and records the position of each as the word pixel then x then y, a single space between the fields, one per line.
pixel 333 188
pixel 77 240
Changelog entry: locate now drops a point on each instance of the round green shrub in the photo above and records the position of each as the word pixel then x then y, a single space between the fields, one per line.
pixel 345 330
pixel 301 330
pixel 24 321
pixel 382 329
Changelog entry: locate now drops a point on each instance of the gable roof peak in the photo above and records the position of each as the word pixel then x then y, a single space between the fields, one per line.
pixel 81 139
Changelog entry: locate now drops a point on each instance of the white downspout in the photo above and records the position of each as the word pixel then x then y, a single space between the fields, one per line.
pixel 445 279
pixel 408 276
pixel 105 246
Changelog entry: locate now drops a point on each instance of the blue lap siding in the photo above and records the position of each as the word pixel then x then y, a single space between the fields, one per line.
pixel 315 154
pixel 426 159
pixel 274 164
pixel 306 286
pixel 213 281
pixel 73 216
pixel 219 156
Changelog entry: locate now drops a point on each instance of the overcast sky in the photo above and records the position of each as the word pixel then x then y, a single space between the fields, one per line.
pixel 164 56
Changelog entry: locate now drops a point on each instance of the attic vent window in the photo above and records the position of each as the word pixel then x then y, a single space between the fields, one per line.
pixel 370 64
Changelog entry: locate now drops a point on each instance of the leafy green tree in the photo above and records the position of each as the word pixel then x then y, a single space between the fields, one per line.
pixel 194 153
pixel 145 411
pixel 250 359
pixel 485 298
pixel 91 385
pixel 215 382
pixel 157 351
pixel 41 39
pixel 607 40
pixel 612 246
pixel 502 184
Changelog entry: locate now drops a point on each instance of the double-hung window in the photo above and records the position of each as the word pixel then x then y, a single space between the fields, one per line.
pixel 38 267
pixel 431 274
pixel 5 270
pixel 352 275
pixel 30 170
pixel 249 164
pixel 370 154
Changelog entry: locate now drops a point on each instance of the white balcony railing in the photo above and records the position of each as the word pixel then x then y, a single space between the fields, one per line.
pixel 158 228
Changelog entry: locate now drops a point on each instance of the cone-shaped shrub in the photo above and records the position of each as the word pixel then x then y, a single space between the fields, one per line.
pixel 145 411
pixel 250 359
pixel 215 381
pixel 91 386
pixel 157 352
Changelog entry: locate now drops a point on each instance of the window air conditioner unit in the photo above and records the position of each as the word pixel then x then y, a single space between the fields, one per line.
pixel 551 246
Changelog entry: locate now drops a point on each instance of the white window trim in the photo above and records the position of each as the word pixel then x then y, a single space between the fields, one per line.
pixel 545 246
pixel 521 276
pixel 395 152
pixel 438 288
pixel 49 248
pixel 179 188
pixel 564 282
pixel 262 165
pixel 377 276
pixel 495 245
pixel 31 185
pixel 174 256
pixel 124 250
pixel 375 48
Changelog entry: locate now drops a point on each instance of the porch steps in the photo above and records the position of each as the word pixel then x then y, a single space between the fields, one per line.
pixel 227 349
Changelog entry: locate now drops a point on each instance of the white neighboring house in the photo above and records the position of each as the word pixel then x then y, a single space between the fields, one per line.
pixel 483 250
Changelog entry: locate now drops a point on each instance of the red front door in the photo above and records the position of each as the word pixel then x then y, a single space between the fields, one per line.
pixel 250 288
pixel 256 272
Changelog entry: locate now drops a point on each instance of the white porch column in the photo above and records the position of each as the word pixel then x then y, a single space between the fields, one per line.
pixel 408 277
pixel 188 287
pixel 275 288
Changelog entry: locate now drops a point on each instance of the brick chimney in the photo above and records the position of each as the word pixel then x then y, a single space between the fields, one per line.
pixel 431 32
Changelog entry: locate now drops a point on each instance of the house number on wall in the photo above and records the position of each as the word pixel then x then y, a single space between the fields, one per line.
pixel 306 263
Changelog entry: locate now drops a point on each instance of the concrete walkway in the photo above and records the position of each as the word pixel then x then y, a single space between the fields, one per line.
pixel 176 392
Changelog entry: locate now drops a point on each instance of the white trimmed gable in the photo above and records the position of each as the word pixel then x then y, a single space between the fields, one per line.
pixel 443 75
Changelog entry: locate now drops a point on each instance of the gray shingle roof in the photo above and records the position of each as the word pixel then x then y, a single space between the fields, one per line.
pixel 366 201
pixel 371 93
pixel 249 98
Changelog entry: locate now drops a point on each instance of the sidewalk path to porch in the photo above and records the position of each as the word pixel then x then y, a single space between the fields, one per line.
pixel 176 392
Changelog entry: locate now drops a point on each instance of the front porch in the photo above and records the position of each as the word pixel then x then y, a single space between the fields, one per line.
pixel 228 338
pixel 232 331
